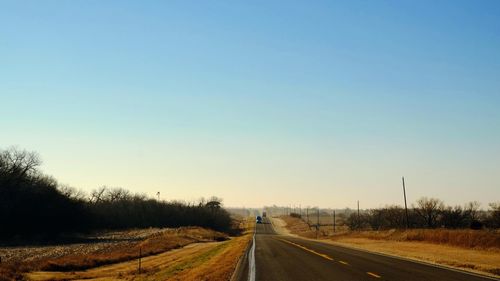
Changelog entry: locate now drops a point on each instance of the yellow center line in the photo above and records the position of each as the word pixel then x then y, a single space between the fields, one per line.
pixel 373 274
pixel 307 249
pixel 324 256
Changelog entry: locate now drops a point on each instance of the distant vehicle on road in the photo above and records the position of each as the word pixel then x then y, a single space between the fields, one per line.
pixel 259 219
pixel 264 214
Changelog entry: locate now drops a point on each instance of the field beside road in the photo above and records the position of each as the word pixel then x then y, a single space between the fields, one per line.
pixel 475 251
pixel 300 227
pixel 186 253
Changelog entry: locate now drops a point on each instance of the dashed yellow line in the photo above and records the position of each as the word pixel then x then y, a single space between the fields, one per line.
pixel 324 256
pixel 373 274
pixel 307 249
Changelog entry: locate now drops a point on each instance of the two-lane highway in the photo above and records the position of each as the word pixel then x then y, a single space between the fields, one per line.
pixel 276 257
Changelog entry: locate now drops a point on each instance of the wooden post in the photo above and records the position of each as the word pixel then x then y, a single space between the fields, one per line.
pixel 140 255
pixel 333 220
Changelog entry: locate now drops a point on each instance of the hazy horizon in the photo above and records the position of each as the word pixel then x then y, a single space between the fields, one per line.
pixel 258 103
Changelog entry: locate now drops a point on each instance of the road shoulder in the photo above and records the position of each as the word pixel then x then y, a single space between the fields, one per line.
pixel 279 226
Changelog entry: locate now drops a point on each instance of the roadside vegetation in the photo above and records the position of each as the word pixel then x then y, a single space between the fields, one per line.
pixel 34 206
pixel 428 213
pixel 160 242
pixel 51 228
pixel 107 249
pixel 210 261
pixel 425 213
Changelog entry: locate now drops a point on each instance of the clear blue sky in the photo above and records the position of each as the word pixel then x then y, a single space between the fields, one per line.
pixel 258 102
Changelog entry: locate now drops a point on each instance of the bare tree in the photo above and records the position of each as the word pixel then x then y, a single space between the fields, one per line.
pixel 117 194
pixel 472 210
pixel 214 203
pixel 106 194
pixel 429 209
pixel 494 218
pixel 395 217
pixel 453 217
pixel 72 193
pixel 16 164
pixel 97 195
pixel 35 204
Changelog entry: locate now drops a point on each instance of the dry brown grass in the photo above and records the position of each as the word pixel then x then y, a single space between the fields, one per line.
pixel 222 265
pixel 213 265
pixel 299 227
pixel 465 238
pixel 469 239
pixel 158 242
pixel 129 270
pixel 12 271
pixel 198 261
pixel 172 239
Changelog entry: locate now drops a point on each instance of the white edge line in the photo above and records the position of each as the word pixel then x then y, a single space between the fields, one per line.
pixel 251 259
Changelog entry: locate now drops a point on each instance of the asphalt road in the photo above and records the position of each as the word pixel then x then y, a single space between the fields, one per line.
pixel 275 257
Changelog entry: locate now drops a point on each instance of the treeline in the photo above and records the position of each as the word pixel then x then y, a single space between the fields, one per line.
pixel 35 205
pixel 428 213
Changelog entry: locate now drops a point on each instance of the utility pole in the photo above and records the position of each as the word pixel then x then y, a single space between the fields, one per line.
pixel 406 207
pixel 333 220
pixel 307 215
pixel 359 222
pixel 317 226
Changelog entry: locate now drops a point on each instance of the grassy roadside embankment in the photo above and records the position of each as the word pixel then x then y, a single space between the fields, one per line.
pixel 217 264
pixel 196 261
pixel 471 250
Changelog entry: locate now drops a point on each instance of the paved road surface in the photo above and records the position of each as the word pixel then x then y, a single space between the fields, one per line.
pixel 278 257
